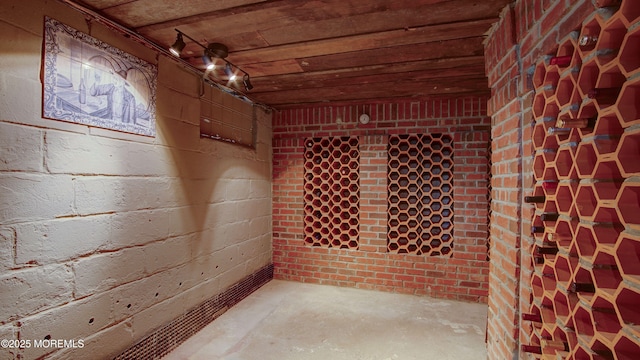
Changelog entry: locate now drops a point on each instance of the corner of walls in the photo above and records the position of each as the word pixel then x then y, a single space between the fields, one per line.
pixel 106 236
pixel 503 70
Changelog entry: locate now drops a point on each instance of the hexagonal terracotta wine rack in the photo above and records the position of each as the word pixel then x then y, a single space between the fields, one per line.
pixel 420 194
pixel 331 192
pixel 586 257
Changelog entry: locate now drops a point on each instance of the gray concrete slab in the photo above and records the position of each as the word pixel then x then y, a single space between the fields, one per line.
pixel 289 320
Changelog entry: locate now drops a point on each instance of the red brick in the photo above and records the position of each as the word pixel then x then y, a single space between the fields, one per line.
pixel 371 266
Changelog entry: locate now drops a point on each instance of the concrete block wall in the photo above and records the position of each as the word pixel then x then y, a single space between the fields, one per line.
pixel 528 30
pixel 463 276
pixel 106 236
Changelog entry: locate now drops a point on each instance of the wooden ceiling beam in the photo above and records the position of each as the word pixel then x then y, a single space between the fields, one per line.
pixel 305 81
pixel 139 13
pixel 428 34
pixel 445 87
pixel 383 57
pixel 397 54
pixel 372 75
pixel 410 16
pixel 261 14
pixel 280 73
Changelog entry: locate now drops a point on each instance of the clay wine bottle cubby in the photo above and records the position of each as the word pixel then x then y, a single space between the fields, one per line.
pixel 332 192
pixel 420 194
pixel 586 226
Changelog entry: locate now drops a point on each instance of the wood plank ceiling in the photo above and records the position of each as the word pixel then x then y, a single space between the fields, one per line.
pixel 301 52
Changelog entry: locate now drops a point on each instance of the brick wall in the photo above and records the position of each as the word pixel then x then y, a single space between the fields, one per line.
pixel 462 276
pixel 527 31
pixel 105 236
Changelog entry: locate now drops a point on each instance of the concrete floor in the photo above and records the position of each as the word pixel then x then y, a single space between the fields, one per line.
pixel 289 320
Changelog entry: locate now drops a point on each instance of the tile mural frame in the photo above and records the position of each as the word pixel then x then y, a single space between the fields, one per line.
pixel 87 81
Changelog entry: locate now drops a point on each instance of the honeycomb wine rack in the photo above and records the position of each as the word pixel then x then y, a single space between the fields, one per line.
pixel 420 194
pixel 331 192
pixel 586 226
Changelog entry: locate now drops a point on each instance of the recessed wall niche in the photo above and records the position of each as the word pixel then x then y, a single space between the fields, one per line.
pixel 420 194
pixel 331 192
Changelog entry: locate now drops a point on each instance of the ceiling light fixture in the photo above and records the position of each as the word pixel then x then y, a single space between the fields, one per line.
pixel 178 46
pixel 247 82
pixel 229 71
pixel 212 53
pixel 208 62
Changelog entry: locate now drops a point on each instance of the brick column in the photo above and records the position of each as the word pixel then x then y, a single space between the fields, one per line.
pixel 373 193
pixel 528 30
